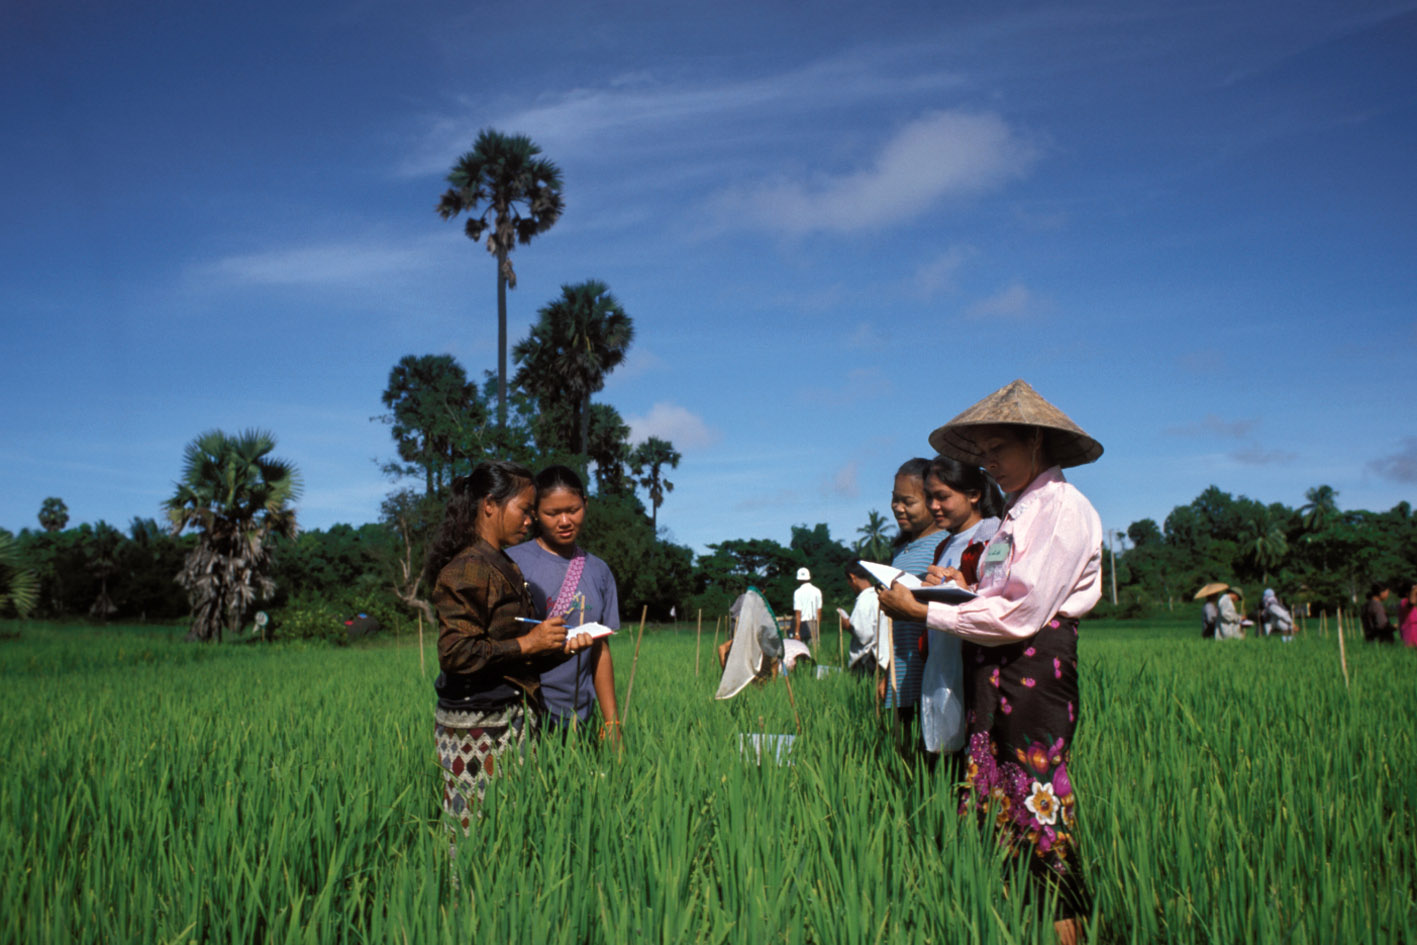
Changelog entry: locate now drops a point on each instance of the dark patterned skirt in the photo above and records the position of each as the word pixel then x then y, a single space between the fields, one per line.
pixel 470 747
pixel 1022 710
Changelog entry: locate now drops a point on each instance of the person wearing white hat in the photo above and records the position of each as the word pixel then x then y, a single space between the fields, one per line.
pixel 1039 573
pixel 806 608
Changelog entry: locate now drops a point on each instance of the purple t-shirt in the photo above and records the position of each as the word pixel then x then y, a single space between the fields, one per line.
pixel 568 688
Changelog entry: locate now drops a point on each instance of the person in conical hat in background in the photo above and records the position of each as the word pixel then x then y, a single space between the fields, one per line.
pixel 1039 573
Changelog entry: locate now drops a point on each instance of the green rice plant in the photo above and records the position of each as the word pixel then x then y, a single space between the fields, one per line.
pixel 163 792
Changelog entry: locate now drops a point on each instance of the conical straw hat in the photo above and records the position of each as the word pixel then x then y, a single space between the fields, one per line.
pixel 1214 587
pixel 1016 403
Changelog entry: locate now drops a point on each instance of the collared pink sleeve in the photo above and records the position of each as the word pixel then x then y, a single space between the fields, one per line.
pixel 1055 568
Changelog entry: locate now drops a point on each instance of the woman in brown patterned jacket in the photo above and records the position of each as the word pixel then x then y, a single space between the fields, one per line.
pixel 489 650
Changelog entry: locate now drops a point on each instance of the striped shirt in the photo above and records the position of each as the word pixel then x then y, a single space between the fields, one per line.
pixel 908 665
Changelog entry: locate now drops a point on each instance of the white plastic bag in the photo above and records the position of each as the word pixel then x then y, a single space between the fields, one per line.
pixel 942 694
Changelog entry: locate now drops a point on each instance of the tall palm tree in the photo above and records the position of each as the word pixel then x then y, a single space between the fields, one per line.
pixel 236 495
pixel 576 341
pixel 502 177
pixel 648 461
pixel 53 514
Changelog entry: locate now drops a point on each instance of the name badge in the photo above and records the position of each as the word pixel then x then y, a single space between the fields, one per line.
pixel 996 557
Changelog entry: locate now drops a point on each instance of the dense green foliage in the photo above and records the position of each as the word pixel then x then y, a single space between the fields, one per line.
pixel 1228 792
pixel 1317 555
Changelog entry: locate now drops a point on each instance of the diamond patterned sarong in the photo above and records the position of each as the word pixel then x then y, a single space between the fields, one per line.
pixel 470 745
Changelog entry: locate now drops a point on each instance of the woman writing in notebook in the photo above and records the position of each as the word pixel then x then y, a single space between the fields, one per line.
pixel 1038 575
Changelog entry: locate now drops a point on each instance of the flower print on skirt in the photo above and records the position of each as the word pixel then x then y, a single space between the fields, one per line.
pixel 1021 712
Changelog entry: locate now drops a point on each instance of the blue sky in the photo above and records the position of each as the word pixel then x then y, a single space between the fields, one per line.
pixel 1191 226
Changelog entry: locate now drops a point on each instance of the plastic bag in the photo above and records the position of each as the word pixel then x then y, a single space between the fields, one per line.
pixel 942 694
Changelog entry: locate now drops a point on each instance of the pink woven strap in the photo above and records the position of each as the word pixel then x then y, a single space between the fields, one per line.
pixel 568 587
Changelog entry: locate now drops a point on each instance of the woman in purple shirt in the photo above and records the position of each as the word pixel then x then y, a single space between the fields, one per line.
pixel 566 581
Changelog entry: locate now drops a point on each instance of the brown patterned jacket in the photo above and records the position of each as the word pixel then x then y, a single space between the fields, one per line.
pixel 478 596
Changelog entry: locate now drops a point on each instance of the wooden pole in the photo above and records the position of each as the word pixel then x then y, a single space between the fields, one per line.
pixel 634 665
pixel 698 640
pixel 1342 653
pixel 840 644
pixel 715 633
pixel 421 668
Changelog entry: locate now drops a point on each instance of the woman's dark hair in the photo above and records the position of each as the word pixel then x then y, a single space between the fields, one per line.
pixel 1376 590
pixel 499 481
pixel 964 478
pixel 559 477
pixel 915 469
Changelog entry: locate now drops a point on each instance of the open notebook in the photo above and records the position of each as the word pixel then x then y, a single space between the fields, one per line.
pixel 943 593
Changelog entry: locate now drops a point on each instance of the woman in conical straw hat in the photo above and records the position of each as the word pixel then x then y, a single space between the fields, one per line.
pixel 1038 575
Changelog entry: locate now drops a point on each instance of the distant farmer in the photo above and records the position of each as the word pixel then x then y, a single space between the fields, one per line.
pixel 1376 627
pixel 490 651
pixel 806 608
pixel 1040 573
pixel 1228 627
pixel 1274 616
pixel 1210 611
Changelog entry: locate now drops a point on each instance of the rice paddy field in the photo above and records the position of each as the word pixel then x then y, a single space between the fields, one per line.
pixel 156 791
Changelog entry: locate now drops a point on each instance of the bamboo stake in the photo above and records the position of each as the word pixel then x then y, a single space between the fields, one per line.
pixel 634 665
pixel 715 633
pixel 1342 654
pixel 698 640
pixel 840 645
pixel 421 668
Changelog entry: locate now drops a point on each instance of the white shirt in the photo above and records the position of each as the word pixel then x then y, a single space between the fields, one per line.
pixel 864 617
pixel 1045 560
pixel 807 600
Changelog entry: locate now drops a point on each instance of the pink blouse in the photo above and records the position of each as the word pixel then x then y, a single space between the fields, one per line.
pixel 1045 560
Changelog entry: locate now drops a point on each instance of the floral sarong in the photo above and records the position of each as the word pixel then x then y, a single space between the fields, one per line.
pixel 1022 711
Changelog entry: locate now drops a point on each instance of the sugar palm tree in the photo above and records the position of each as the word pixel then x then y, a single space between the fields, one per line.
pixel 648 461
pixel 577 340
pixel 236 495
pixel 503 178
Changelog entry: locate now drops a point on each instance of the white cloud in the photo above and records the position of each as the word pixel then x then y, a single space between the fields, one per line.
pixel 1255 456
pixel 1013 302
pixel 938 275
pixel 844 484
pixel 354 263
pixel 1212 425
pixel 643 111
pixel 941 155
pixel 673 423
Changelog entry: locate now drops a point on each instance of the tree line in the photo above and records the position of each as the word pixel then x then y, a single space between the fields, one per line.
pixel 1317 555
